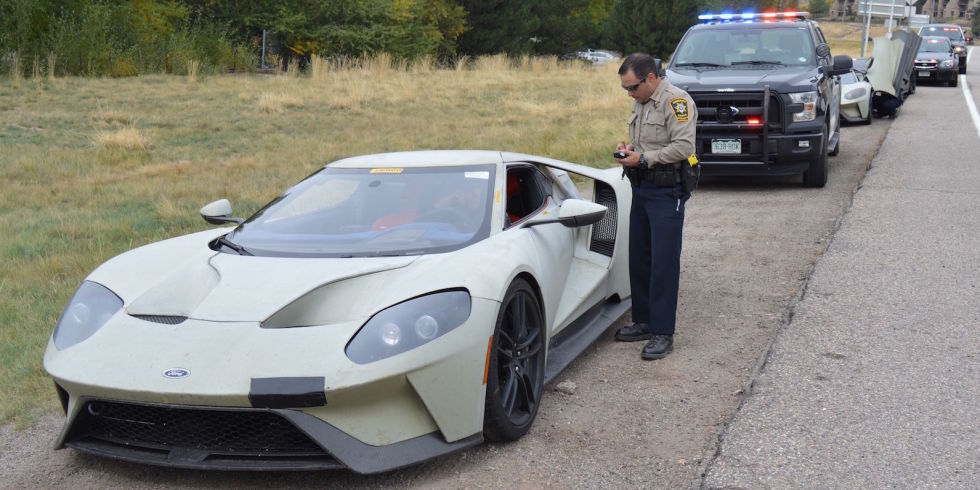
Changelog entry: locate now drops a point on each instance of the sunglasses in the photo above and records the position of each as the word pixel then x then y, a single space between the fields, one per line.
pixel 632 88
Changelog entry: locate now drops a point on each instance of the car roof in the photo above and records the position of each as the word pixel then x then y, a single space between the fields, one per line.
pixel 424 158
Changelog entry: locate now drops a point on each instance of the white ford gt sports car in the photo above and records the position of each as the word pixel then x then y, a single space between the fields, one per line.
pixel 386 310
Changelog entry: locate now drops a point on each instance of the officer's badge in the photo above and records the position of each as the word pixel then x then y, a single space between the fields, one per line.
pixel 679 105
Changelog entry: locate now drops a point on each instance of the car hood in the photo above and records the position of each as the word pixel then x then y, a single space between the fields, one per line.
pixel 933 56
pixel 183 277
pixel 780 79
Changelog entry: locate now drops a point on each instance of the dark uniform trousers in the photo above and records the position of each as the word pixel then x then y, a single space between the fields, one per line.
pixel 656 226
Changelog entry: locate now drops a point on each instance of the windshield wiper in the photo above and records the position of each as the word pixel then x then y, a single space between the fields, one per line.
pixel 240 250
pixel 757 62
pixel 699 64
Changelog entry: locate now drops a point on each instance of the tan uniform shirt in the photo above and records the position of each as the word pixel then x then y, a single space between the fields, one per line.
pixel 663 127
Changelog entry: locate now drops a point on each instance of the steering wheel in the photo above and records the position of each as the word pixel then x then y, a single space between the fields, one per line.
pixel 449 215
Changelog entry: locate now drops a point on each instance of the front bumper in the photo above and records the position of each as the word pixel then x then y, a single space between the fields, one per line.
pixel 786 154
pixel 238 439
pixel 357 416
pixel 934 73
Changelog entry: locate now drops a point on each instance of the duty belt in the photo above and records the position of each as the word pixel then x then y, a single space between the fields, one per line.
pixel 660 175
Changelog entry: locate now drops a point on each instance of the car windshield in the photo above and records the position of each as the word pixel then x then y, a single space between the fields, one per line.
pixel 365 212
pixel 953 33
pixel 934 46
pixel 745 46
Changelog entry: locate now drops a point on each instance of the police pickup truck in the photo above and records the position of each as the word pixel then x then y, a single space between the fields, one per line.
pixel 767 91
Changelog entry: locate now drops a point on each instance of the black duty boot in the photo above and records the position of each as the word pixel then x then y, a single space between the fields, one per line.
pixel 634 332
pixel 658 347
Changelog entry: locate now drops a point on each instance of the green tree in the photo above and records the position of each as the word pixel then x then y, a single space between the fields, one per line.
pixel 648 26
pixel 498 26
pixel 819 8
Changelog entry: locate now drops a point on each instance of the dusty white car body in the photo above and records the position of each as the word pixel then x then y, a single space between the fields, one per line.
pixel 258 345
pixel 856 91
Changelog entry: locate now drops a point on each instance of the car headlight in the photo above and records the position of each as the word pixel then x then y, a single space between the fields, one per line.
pixel 408 325
pixel 89 309
pixel 959 49
pixel 855 93
pixel 946 63
pixel 809 101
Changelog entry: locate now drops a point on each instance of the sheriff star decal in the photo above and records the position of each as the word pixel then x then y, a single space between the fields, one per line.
pixel 679 105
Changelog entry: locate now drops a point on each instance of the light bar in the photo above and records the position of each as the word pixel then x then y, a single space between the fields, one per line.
pixel 728 17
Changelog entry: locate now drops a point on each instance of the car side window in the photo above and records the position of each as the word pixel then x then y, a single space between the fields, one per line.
pixel 527 191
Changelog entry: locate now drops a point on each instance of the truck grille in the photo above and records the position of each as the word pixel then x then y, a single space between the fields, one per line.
pixel 730 109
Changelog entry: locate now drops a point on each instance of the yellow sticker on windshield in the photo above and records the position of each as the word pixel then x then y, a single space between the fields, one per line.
pixel 387 170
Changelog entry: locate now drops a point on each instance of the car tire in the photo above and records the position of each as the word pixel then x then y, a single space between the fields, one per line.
pixel 816 175
pixel 962 66
pixel 515 370
pixel 954 82
pixel 913 83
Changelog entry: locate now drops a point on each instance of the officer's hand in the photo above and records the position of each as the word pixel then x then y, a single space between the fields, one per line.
pixel 632 158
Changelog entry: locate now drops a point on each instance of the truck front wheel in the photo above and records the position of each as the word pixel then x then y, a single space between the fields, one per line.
pixel 816 175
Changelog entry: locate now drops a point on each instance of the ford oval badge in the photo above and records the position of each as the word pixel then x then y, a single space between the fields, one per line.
pixel 176 373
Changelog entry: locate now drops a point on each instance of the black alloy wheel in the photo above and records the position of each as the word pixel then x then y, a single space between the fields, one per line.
pixel 516 372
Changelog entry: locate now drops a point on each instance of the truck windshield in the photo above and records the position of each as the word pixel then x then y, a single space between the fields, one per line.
pixel 953 33
pixel 935 46
pixel 748 45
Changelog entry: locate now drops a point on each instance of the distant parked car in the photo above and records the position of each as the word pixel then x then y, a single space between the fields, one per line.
pixel 937 61
pixel 856 90
pixel 956 37
pixel 597 56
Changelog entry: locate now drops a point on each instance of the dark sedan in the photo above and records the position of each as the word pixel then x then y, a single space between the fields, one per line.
pixel 936 61
pixel 956 37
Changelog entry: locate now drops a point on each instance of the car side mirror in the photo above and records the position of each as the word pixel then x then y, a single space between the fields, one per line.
pixel 573 213
pixel 823 50
pixel 842 64
pixel 219 213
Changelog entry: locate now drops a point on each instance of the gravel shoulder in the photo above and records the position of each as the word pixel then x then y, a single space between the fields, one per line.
pixel 610 420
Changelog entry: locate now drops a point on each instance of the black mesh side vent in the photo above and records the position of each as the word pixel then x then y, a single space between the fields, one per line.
pixel 164 319
pixel 604 232
pixel 212 430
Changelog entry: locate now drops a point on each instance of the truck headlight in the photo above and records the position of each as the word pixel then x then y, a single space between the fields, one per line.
pixel 946 63
pixel 809 101
pixel 408 325
pixel 89 309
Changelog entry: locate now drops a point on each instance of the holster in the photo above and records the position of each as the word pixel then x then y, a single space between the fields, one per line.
pixel 689 176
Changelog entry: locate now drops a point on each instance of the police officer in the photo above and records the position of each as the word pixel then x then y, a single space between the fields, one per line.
pixel 661 129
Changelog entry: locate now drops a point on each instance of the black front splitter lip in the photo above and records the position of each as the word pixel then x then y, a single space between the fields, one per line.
pixel 341 451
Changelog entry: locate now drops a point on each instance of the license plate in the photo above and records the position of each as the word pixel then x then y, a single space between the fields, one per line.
pixel 726 146
pixel 923 73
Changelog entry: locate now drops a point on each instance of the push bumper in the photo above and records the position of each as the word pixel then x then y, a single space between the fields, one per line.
pixel 783 154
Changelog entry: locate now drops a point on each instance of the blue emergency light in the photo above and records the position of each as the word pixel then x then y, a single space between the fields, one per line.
pixel 752 16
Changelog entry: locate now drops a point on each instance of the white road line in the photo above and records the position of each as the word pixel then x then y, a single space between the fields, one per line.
pixel 969 96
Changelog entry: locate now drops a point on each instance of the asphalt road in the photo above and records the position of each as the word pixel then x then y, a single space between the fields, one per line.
pixel 876 381
pixel 750 248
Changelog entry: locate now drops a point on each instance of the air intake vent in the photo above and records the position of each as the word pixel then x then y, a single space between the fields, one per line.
pixel 604 232
pixel 164 319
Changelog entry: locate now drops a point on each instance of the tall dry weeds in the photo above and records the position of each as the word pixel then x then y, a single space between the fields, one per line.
pixel 192 69
pixel 130 138
pixel 318 68
pixel 51 65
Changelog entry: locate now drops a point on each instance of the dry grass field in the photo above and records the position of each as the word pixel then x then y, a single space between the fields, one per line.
pixel 90 168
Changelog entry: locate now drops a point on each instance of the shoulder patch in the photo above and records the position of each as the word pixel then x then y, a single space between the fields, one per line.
pixel 679 105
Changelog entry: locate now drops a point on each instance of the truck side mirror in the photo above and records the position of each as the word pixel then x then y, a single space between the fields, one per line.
pixel 842 64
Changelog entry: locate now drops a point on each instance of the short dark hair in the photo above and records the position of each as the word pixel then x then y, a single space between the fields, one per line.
pixel 642 65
